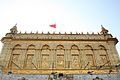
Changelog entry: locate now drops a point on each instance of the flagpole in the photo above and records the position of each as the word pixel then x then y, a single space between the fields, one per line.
pixel 52 28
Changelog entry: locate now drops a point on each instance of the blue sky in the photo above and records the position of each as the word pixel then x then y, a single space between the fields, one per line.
pixel 69 15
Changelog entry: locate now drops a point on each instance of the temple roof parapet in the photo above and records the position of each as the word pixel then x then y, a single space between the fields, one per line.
pixel 103 35
pixel 58 36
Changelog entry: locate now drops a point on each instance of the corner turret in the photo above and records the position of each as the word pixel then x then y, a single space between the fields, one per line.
pixel 103 30
pixel 13 30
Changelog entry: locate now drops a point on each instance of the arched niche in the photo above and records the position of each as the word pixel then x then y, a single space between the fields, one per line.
pixel 17 46
pixel 31 49
pixel 16 49
pixel 60 56
pixel 74 49
pixel 15 61
pixel 75 58
pixel 88 51
pixel 45 49
pixel 103 55
pixel 29 57
pixel 45 52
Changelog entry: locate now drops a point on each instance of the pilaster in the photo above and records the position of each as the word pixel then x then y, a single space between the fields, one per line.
pixel 113 56
pixel 23 55
pixel 97 57
pixel 84 61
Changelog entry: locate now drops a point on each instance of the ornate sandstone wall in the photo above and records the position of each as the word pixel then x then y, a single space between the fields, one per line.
pixel 39 53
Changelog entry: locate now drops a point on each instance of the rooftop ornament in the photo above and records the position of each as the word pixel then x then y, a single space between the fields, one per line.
pixel 13 30
pixel 36 32
pixel 103 30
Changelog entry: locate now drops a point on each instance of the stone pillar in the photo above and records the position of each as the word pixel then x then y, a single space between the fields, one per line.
pixel 22 58
pixel 52 59
pixel 67 59
pixel 97 56
pixel 84 61
pixel 55 58
pixel 36 57
pixel 80 59
pixel 40 59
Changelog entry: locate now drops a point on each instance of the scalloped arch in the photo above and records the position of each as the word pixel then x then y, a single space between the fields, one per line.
pixel 88 47
pixel 45 46
pixel 59 46
pixel 17 46
pixel 101 47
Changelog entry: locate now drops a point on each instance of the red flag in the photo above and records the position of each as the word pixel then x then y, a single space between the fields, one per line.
pixel 53 25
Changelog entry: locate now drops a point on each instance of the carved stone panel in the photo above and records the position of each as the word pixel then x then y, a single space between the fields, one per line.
pixel 75 62
pixel 90 60
pixel 29 63
pixel 103 60
pixel 45 61
pixel 15 61
pixel 15 57
pixel 60 61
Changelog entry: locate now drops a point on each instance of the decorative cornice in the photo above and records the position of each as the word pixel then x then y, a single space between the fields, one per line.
pixel 102 36
pixel 59 36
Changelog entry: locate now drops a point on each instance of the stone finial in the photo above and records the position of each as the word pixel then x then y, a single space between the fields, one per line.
pixel 103 30
pixel 25 32
pixel 76 33
pixel 31 32
pixel 36 32
pixel 14 29
pixel 98 33
pixel 48 32
pixel 20 32
pixel 87 32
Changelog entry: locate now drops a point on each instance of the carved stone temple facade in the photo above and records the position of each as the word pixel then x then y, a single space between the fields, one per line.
pixel 41 55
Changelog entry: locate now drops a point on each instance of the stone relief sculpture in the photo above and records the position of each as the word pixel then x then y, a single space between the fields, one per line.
pixel 15 61
pixel 60 56
pixel 75 62
pixel 104 59
pixel 29 63
pixel 45 61
pixel 60 61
